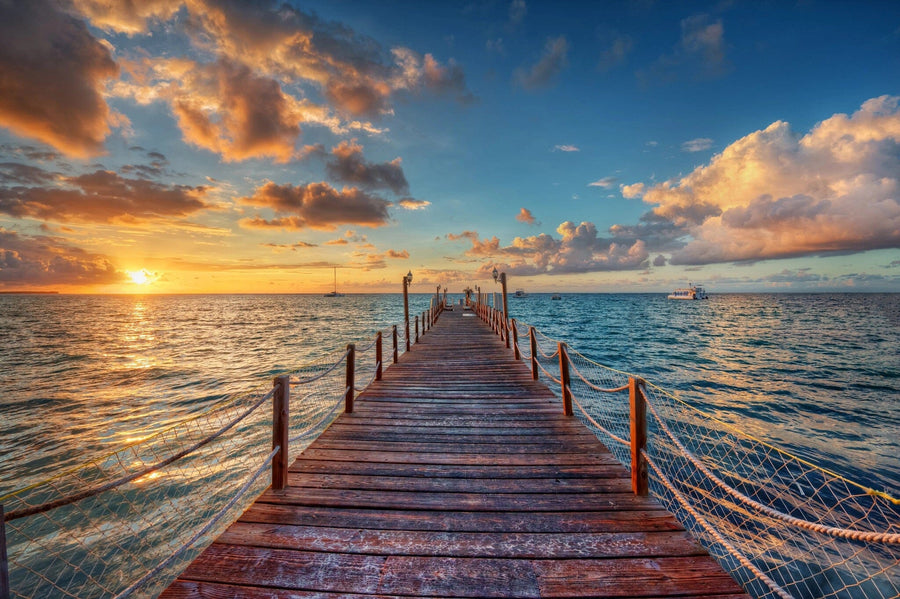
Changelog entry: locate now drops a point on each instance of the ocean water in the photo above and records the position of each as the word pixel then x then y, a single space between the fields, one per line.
pixel 818 375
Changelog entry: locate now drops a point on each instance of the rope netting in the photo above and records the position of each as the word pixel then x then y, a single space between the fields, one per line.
pixel 779 524
pixel 126 523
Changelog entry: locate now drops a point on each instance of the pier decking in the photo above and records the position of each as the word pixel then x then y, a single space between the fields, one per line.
pixel 456 476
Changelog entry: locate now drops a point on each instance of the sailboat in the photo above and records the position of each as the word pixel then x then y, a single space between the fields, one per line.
pixel 335 292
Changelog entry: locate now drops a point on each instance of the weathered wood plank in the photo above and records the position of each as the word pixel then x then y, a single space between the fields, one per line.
pixel 456 476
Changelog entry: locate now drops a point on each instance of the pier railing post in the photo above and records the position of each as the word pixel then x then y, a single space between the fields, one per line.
pixel 378 353
pixel 351 378
pixel 534 363
pixel 506 330
pixel 281 400
pixel 394 335
pixel 639 479
pixel 417 328
pixel 564 379
pixel 515 342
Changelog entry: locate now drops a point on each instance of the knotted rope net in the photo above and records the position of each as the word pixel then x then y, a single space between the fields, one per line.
pixel 126 523
pixel 779 524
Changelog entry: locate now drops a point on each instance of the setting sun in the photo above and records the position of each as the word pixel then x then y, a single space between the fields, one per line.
pixel 140 277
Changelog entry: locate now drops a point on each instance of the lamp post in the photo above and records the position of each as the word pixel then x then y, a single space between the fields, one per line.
pixel 502 277
pixel 407 279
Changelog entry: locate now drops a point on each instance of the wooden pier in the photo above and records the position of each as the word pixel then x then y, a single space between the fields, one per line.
pixel 456 475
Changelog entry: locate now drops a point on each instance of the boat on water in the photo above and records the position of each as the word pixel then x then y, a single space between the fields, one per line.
pixel 556 296
pixel 335 292
pixel 691 292
pixel 520 293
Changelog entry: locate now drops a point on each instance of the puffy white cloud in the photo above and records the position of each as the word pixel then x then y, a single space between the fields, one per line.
pixel 578 249
pixel 775 194
pixel 635 190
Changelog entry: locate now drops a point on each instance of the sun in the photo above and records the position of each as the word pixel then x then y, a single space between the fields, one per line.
pixel 140 277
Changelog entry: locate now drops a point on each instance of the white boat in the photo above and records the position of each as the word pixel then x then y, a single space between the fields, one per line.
pixel 335 292
pixel 692 292
pixel 520 293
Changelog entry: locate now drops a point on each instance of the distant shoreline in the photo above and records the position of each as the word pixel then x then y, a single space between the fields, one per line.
pixel 29 292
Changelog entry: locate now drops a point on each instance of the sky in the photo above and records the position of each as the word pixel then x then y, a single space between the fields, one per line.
pixel 205 146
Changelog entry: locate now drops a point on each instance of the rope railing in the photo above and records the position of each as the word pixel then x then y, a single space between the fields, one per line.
pixel 781 525
pixel 84 531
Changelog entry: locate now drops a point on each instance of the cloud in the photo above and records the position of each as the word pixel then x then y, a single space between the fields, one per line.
pixel 525 216
pixel 777 194
pixel 54 72
pixel 617 47
pixel 127 17
pixel 545 71
pixel 697 145
pixel 578 250
pixel 289 246
pixel 517 11
pixel 316 206
pixel 605 182
pixel 267 61
pixel 566 148
pixel 223 106
pixel 700 53
pixel 41 261
pixel 397 255
pixel 99 197
pixel 660 260
pixel 349 166
pixel 635 190
pixel 413 204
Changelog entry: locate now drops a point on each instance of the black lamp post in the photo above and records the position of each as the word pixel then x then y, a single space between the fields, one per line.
pixel 407 279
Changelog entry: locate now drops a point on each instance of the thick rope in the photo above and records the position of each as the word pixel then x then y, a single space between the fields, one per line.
pixel 597 424
pixel 593 386
pixel 39 509
pixel 549 376
pixel 833 531
pixel 321 374
pixel 240 493
pixel 714 533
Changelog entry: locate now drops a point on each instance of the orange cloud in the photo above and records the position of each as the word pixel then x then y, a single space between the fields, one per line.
pixel 413 204
pixel 54 71
pixel 525 216
pixel 776 194
pixel 42 261
pixel 101 197
pixel 316 206
pixel 349 166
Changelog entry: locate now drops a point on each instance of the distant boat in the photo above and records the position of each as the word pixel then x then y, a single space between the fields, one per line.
pixel 520 293
pixel 335 292
pixel 692 292
pixel 556 296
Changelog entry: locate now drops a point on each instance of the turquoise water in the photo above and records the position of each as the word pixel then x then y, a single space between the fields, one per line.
pixel 816 374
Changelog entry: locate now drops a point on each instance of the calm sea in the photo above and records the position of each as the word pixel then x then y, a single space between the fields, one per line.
pixel 818 375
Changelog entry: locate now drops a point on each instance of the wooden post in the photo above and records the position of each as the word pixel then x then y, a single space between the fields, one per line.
pixel 281 400
pixel 351 378
pixel 639 480
pixel 515 336
pixel 417 328
pixel 505 308
pixel 394 334
pixel 564 379
pixel 378 352
pixel 534 363
pixel 4 559
pixel 406 309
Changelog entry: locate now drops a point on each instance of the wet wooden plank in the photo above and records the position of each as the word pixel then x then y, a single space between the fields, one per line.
pixel 456 476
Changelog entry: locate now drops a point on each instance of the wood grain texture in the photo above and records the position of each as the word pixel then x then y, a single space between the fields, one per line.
pixel 456 475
